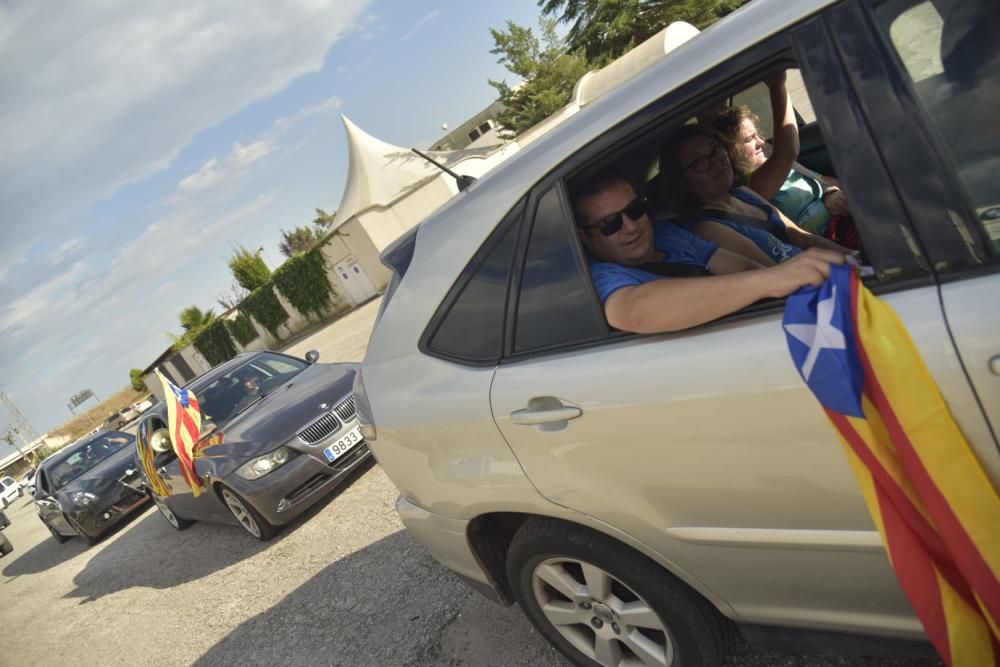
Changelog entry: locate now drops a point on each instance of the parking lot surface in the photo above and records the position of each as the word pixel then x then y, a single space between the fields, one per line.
pixel 344 584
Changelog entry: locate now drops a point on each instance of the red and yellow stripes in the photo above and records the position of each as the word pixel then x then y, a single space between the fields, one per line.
pixel 146 457
pixel 185 426
pixel 937 511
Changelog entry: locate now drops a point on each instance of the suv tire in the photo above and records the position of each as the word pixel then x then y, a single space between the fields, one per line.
pixel 614 601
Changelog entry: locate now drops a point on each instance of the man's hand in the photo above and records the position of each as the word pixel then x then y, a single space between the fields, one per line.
pixel 812 267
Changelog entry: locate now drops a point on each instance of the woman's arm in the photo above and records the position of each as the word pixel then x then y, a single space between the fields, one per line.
pixel 800 238
pixel 731 240
pixel 768 178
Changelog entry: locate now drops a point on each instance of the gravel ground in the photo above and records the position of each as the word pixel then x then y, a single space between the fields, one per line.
pixel 343 585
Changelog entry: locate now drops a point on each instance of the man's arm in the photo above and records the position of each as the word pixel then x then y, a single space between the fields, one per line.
pixel 673 304
pixel 768 178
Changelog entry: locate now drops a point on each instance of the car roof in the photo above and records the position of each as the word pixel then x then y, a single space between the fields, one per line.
pixel 448 237
pixel 749 25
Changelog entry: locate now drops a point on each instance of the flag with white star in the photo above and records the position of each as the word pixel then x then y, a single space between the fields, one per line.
pixel 936 509
pixel 820 337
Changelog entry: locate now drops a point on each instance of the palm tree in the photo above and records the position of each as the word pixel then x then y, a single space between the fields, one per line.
pixel 194 319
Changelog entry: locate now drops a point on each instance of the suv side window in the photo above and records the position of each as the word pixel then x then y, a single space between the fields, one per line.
pixel 556 302
pixel 953 62
pixel 471 327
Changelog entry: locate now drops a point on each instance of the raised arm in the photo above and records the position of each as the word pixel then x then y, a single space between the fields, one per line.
pixel 767 179
pixel 673 304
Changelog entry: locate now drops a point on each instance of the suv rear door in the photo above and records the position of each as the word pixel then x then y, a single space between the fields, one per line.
pixel 705 446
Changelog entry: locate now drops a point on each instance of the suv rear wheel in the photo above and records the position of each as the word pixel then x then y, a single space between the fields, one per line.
pixel 601 603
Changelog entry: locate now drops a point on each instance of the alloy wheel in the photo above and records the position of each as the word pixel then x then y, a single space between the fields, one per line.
pixel 241 513
pixel 599 615
pixel 167 513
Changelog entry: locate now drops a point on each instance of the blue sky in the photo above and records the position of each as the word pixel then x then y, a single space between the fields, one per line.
pixel 143 141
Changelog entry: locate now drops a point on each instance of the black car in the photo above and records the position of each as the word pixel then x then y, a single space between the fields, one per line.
pixel 279 433
pixel 89 486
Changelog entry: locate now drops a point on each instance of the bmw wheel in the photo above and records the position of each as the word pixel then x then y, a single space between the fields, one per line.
pixel 249 518
pixel 177 522
pixel 601 603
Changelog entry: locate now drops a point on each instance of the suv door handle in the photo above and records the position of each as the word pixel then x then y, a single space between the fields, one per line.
pixel 545 410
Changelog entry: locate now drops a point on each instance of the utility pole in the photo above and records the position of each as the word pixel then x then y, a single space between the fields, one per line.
pixel 21 423
pixel 9 437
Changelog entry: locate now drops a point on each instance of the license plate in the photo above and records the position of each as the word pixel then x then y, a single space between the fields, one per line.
pixel 343 444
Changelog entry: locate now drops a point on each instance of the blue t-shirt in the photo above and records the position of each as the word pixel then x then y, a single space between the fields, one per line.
pixel 680 246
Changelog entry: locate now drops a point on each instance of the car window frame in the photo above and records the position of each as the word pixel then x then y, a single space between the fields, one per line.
pixel 721 81
pixel 541 189
pixel 955 252
pixel 512 220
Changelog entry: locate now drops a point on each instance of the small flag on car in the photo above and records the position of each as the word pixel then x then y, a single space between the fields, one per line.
pixel 184 422
pixel 937 511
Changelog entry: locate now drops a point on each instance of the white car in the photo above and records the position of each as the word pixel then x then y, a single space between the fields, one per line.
pixel 9 490
pixel 28 483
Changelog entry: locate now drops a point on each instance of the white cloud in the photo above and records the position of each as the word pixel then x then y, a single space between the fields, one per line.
pixel 114 91
pixel 227 172
pixel 429 17
pixel 70 247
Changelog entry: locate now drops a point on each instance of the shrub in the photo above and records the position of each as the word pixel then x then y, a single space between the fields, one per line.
pixel 214 342
pixel 241 328
pixel 263 306
pixel 304 282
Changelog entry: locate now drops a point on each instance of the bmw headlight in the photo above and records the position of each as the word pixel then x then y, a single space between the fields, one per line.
pixel 83 499
pixel 257 467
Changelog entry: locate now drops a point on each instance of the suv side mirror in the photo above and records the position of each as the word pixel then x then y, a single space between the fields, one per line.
pixel 312 356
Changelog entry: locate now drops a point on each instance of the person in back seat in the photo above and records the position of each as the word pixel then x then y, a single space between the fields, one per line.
pixel 698 174
pixel 656 277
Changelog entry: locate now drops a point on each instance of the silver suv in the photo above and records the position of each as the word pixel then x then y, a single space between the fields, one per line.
pixel 641 497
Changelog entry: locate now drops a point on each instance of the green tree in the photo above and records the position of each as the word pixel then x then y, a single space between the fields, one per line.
pixel 248 268
pixel 194 318
pixel 324 219
pixel 547 71
pixel 135 377
pixel 605 29
pixel 299 240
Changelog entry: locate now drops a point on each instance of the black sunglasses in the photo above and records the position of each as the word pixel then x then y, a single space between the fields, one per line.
pixel 612 224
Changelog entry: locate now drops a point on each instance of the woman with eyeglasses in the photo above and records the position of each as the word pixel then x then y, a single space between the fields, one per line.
pixel 697 173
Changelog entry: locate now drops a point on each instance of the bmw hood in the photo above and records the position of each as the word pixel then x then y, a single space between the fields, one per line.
pixel 284 411
pixel 102 479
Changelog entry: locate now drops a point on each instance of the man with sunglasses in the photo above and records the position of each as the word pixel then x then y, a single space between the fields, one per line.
pixel 656 277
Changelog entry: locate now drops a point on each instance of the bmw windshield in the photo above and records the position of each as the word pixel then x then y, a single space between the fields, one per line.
pixel 233 392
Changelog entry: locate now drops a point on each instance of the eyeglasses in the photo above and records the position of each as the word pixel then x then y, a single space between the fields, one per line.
pixel 612 224
pixel 702 163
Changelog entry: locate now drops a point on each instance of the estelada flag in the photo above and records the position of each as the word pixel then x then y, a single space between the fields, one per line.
pixel 184 422
pixel 146 458
pixel 937 511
